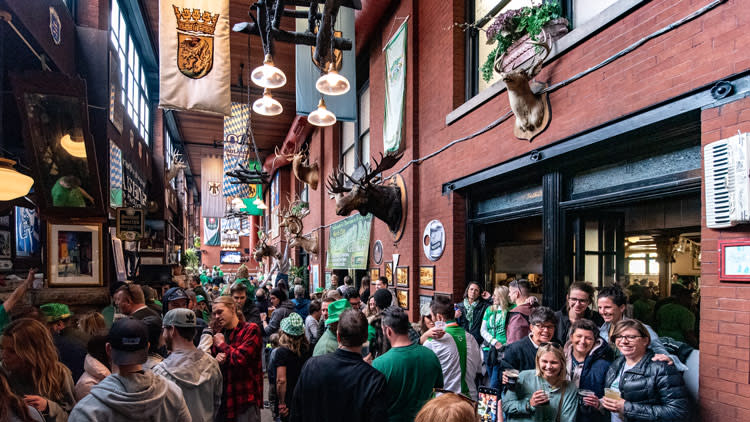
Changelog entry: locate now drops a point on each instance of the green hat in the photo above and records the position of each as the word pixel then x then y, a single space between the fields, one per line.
pixel 319 290
pixel 199 299
pixel 335 309
pixel 55 311
pixel 293 325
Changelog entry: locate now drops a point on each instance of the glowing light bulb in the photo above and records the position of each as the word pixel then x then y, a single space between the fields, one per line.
pixel 321 116
pixel 268 75
pixel 332 83
pixel 267 105
pixel 75 148
pixel 15 184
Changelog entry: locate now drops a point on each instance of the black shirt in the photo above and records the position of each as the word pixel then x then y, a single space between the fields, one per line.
pixel 293 363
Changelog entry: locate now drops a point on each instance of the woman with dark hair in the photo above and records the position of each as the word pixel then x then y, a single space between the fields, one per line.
pixel 96 365
pixel 470 312
pixel 281 307
pixel 34 371
pixel 289 357
pixel 578 300
pixel 588 358
pixel 12 407
pixel 640 388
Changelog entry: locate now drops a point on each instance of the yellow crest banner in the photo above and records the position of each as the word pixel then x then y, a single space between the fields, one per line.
pixel 194 59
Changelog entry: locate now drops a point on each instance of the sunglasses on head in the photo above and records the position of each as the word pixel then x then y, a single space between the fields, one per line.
pixel 551 344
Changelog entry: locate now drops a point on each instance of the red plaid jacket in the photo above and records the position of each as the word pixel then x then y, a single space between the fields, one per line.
pixel 242 369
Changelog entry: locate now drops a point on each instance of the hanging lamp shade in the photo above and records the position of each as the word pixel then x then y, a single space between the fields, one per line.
pixel 267 105
pixel 332 83
pixel 15 184
pixel 321 116
pixel 268 75
pixel 75 147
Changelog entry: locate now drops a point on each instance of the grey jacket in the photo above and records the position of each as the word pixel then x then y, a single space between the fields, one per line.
pixel 199 377
pixel 137 397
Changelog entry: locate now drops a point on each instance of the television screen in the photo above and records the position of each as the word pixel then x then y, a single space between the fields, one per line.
pixel 230 257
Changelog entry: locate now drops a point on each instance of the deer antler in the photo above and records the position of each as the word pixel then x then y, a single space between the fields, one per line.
pixel 545 44
pixel 335 183
pixel 386 162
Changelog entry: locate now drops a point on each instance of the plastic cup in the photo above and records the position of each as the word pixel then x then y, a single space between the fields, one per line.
pixel 440 325
pixel 611 393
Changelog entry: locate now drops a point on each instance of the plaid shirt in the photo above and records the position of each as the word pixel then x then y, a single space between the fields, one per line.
pixel 242 370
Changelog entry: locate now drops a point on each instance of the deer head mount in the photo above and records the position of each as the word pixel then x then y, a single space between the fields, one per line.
pixel 366 195
pixel 303 171
pixel 309 243
pixel 177 166
pixel 263 249
pixel 291 221
pixel 531 108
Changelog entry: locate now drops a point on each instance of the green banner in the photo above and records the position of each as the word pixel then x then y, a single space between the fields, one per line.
pixel 395 90
pixel 349 242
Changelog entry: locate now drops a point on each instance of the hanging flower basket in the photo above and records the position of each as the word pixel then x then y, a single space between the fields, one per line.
pixel 521 52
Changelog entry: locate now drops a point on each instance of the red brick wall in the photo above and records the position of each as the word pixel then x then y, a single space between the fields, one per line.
pixel 725 307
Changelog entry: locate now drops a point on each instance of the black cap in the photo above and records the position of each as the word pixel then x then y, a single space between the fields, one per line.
pixel 129 340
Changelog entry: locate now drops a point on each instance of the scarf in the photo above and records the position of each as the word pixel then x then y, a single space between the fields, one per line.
pixel 470 310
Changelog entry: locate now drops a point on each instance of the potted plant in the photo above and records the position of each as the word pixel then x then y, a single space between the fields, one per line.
pixel 512 28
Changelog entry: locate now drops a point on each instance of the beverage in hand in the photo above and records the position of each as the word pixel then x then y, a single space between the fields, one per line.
pixel 611 393
pixel 512 375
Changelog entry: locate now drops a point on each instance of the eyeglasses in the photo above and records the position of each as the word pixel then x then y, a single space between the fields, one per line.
pixel 628 338
pixel 473 403
pixel 576 300
pixel 545 327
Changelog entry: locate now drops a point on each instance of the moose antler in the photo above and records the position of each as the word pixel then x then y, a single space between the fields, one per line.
pixel 386 162
pixel 335 182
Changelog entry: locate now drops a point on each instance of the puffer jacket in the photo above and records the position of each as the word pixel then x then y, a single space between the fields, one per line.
pixel 95 373
pixel 653 391
pixel 593 373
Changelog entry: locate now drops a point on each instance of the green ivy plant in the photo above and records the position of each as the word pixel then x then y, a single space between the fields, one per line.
pixel 511 25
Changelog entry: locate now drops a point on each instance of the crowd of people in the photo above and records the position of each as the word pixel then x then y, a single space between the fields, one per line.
pixel 200 351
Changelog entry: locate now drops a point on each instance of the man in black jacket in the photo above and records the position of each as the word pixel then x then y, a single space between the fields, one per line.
pixel 341 377
pixel 470 312
pixel 521 354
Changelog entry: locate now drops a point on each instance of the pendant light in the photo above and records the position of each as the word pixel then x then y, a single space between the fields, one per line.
pixel 332 83
pixel 75 147
pixel 15 184
pixel 267 105
pixel 268 75
pixel 321 116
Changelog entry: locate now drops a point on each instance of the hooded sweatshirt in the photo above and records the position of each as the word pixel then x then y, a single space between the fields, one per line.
pixel 199 377
pixel 142 397
pixel 94 373
pixel 284 310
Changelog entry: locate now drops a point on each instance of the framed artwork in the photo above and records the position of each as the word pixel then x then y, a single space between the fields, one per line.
pixel 328 280
pixel 27 232
pixel 5 244
pixel 734 260
pixel 696 263
pixel 374 274
pixel 389 272
pixel 377 252
pixel 402 276
pixel 424 304
pixel 403 298
pixel 314 277
pixel 427 277
pixel 74 253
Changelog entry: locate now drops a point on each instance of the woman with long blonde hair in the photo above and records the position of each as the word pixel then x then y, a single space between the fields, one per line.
pixel 34 370
pixel 12 407
pixel 92 323
pixel 493 332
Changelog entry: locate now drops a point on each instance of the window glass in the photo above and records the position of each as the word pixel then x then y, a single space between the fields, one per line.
pixel 364 144
pixel 364 110
pixel 347 135
pixel 584 10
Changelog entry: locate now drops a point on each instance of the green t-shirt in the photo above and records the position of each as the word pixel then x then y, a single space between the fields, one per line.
pixel 4 318
pixel 643 310
pixel 411 372
pixel 496 323
pixel 327 344
pixel 674 321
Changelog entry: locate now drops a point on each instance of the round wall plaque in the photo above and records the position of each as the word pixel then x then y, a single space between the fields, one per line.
pixel 377 252
pixel 433 240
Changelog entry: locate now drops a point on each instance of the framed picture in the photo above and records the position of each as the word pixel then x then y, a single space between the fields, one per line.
pixel 427 277
pixel 27 232
pixel 402 276
pixel 74 253
pixel 5 244
pixel 424 304
pixel 328 280
pixel 389 272
pixel 374 274
pixel 696 263
pixel 734 260
pixel 403 298
pixel 314 277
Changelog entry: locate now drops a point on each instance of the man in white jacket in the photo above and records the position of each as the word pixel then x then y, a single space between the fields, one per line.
pixel 195 372
pixel 130 393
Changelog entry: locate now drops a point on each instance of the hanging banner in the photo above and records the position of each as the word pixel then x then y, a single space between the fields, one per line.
pixel 235 149
pixel 255 192
pixel 306 73
pixel 212 201
pixel 349 242
pixel 230 233
pixel 115 175
pixel 211 234
pixel 395 90
pixel 194 60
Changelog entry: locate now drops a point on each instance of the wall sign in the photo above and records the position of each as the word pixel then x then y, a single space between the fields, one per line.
pixel 349 242
pixel 734 260
pixel 131 223
pixel 433 240
pixel 133 187
pixel 377 252
pixel 55 26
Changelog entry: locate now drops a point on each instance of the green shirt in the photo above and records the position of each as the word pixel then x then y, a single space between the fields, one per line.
pixel 411 372
pixel 4 318
pixel 643 310
pixel 496 324
pixel 674 321
pixel 327 344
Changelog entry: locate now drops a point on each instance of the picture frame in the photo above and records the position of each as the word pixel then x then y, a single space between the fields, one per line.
pixel 74 253
pixel 427 277
pixel 402 295
pixel 374 274
pixel 402 276
pixel 328 280
pixel 389 272
pixel 5 244
pixel 27 232
pixel 734 260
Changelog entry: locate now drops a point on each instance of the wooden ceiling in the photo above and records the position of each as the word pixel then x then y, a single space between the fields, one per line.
pixel 201 132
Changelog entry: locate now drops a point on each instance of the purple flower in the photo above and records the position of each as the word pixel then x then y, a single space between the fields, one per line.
pixel 503 23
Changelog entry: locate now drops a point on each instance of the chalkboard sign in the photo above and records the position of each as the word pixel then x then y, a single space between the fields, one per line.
pixel 130 223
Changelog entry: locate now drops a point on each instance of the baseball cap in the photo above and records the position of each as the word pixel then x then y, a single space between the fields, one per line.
pixel 335 309
pixel 55 311
pixel 129 340
pixel 175 293
pixel 199 298
pixel 319 290
pixel 179 317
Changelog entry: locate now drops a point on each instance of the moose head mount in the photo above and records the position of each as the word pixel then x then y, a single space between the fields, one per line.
pixel 303 171
pixel 370 194
pixel 531 107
